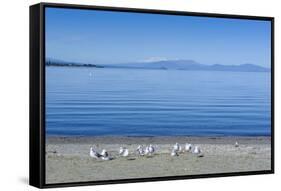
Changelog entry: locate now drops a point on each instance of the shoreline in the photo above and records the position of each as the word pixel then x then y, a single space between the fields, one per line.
pixel 68 160
pixel 156 139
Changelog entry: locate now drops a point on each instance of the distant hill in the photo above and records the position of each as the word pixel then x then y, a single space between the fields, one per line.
pixel 166 65
pixel 54 62
pixel 190 65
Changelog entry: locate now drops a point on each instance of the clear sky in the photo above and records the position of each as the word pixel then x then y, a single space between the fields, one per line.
pixel 117 37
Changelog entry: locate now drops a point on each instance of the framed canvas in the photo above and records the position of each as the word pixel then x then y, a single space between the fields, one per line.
pixel 123 95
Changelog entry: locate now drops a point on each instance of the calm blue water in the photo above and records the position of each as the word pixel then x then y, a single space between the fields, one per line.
pixel 91 101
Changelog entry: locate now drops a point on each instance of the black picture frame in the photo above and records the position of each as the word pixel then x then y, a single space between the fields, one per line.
pixel 37 94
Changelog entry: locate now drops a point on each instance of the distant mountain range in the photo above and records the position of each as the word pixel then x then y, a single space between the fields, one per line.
pixel 168 65
pixel 190 65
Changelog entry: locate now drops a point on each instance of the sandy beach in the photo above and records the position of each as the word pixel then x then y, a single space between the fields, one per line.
pixel 68 160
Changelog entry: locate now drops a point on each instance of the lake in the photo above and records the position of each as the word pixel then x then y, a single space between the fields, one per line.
pixel 142 102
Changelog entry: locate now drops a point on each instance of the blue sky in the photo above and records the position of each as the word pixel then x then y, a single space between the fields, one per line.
pixel 102 37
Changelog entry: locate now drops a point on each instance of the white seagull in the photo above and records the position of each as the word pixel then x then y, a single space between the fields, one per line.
pixel 151 149
pixel 236 144
pixel 140 150
pixel 177 148
pixel 188 147
pixel 196 150
pixel 174 153
pixel 180 150
pixel 146 151
pixel 104 155
pixel 123 152
pixel 94 153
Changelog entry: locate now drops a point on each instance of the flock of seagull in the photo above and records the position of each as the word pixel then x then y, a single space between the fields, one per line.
pixel 149 151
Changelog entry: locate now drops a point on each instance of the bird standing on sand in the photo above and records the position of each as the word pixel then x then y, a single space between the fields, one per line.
pixel 177 148
pixel 197 151
pixel 236 144
pixel 146 151
pixel 140 150
pixel 188 147
pixel 174 153
pixel 180 150
pixel 94 153
pixel 104 155
pixel 151 149
pixel 123 152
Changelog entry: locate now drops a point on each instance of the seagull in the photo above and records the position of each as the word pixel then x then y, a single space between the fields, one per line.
pixel 151 149
pixel 123 152
pixel 196 150
pixel 236 144
pixel 174 153
pixel 146 151
pixel 140 150
pixel 180 150
pixel 126 153
pixel 177 147
pixel 104 155
pixel 188 147
pixel 94 153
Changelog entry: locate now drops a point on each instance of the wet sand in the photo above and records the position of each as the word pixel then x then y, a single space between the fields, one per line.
pixel 68 160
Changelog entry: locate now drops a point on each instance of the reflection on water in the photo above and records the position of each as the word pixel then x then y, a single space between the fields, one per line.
pixel 138 102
